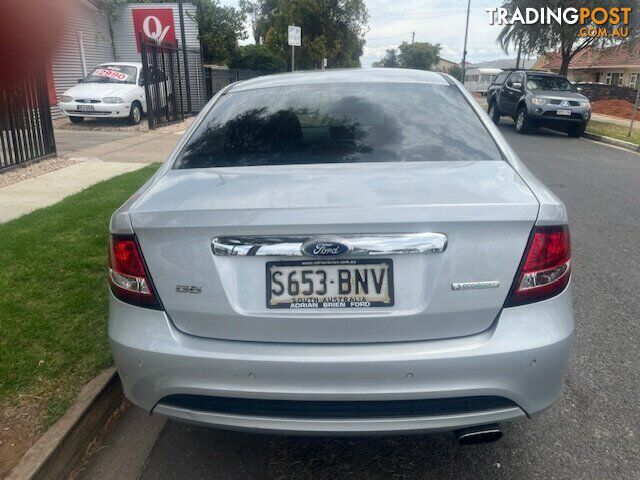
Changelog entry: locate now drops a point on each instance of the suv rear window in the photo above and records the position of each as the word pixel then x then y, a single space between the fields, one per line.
pixel 338 123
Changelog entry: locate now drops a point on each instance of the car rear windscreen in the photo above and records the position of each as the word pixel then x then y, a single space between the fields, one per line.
pixel 338 123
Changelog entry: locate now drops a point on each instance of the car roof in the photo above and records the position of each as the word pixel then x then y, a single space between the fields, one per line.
pixel 354 75
pixel 124 64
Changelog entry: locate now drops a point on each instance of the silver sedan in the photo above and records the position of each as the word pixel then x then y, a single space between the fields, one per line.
pixel 342 252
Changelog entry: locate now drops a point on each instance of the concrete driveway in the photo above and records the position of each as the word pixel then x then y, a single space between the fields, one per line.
pixel 592 432
pixel 70 141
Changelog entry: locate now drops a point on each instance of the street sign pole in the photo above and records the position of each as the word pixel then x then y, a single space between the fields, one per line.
pixel 295 40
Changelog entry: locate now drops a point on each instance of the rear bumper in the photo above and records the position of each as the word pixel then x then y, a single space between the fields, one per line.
pixel 371 426
pixel 522 357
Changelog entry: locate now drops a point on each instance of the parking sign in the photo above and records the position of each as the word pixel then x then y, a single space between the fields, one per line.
pixel 295 36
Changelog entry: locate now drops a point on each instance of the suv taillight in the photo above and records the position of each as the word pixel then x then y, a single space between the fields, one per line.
pixel 545 268
pixel 128 275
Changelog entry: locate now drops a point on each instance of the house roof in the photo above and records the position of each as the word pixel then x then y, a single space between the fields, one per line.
pixel 618 56
pixel 505 63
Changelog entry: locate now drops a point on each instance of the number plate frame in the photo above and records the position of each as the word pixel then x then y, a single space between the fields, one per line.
pixel 326 262
pixel 85 108
pixel 563 112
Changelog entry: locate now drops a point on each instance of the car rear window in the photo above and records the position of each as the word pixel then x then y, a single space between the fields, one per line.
pixel 338 123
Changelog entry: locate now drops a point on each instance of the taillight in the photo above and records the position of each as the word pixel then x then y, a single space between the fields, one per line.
pixel 129 277
pixel 545 268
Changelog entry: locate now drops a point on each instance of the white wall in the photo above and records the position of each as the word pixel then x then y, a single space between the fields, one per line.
pixel 66 64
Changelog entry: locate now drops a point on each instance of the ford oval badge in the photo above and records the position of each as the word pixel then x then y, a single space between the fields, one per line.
pixel 325 248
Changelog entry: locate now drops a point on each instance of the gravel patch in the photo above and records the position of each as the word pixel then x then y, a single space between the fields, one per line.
pixel 116 124
pixel 32 170
pixel 97 124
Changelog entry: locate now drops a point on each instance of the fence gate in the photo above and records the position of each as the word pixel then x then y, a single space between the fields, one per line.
pixel 26 131
pixel 173 83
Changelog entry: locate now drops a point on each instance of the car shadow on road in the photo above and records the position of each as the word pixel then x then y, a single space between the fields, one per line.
pixel 187 451
pixel 508 125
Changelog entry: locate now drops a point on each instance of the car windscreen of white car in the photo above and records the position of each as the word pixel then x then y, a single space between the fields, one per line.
pixel 339 123
pixel 112 74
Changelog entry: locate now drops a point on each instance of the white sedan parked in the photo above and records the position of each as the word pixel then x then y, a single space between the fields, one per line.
pixel 110 90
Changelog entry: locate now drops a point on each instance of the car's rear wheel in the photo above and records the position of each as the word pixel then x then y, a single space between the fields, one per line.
pixel 576 131
pixel 494 113
pixel 523 123
pixel 135 115
pixel 75 119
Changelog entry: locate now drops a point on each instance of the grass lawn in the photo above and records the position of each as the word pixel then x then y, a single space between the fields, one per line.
pixel 614 131
pixel 53 297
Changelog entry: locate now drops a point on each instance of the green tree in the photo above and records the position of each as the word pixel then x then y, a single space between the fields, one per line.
pixel 390 59
pixel 456 72
pixel 256 57
pixel 331 29
pixel 419 55
pixel 220 29
pixel 564 38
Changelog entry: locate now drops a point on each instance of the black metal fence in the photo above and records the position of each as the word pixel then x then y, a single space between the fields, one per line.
pixel 218 78
pixel 26 131
pixel 174 88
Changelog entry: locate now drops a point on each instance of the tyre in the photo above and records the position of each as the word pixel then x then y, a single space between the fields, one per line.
pixel 576 131
pixel 75 119
pixel 494 113
pixel 523 124
pixel 135 115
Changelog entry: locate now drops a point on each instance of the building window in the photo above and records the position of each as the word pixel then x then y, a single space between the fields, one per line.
pixel 613 78
pixel 633 80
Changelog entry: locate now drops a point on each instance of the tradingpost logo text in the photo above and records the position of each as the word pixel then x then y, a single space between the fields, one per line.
pixel 596 22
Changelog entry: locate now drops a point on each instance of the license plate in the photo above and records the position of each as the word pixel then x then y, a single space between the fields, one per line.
pixel 563 112
pixel 322 284
pixel 85 108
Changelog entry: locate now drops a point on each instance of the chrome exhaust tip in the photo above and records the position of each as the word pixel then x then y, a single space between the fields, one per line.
pixel 479 434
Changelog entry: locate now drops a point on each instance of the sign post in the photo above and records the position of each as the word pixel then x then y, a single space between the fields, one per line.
pixel 295 37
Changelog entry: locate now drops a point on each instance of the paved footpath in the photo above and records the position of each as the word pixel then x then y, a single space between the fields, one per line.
pixel 103 156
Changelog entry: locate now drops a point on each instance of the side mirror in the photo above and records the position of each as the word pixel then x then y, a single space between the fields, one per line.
pixel 80 80
pixel 517 85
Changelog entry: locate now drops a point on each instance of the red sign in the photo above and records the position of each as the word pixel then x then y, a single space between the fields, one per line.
pixel 156 24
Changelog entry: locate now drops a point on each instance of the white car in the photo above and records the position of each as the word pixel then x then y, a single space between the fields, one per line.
pixel 111 90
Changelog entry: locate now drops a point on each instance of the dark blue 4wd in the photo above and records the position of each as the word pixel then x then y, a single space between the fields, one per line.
pixel 535 99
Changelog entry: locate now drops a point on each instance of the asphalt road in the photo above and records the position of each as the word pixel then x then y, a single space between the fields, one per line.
pixel 592 432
